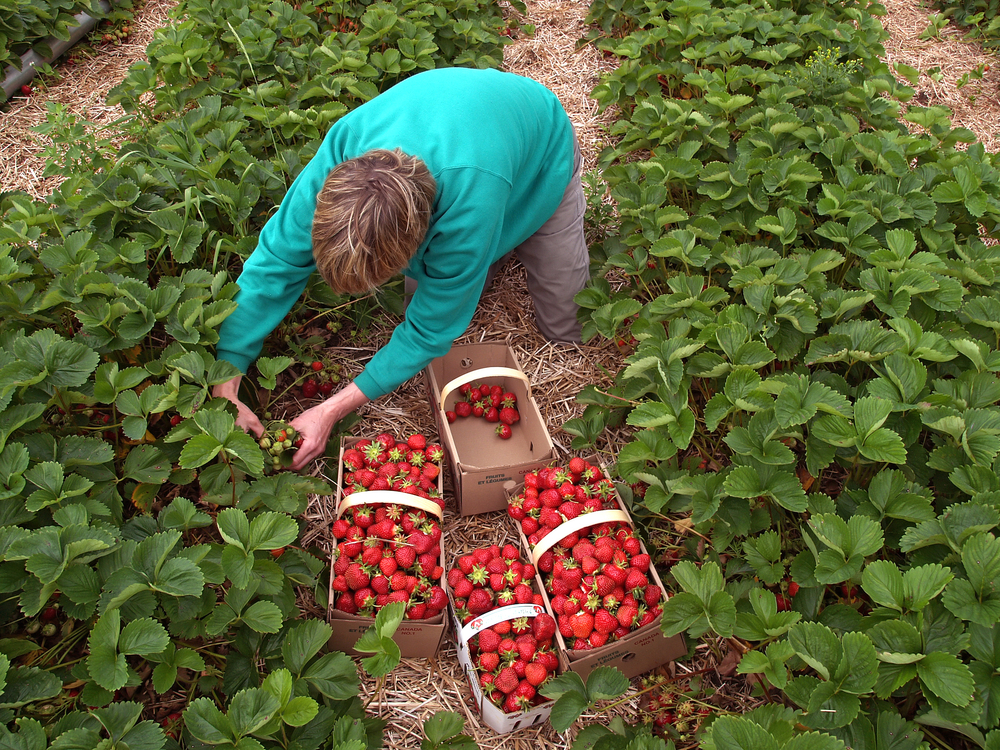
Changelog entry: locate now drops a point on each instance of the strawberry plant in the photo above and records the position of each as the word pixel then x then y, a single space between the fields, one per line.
pixel 811 388
pixel 143 542
pixel 28 25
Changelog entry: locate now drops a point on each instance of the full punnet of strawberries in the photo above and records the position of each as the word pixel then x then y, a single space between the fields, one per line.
pixel 411 467
pixel 512 657
pixel 389 552
pixel 598 579
pixel 489 402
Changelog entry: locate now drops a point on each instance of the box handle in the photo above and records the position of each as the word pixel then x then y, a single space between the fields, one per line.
pixel 501 614
pixel 582 521
pixel 392 497
pixel 480 374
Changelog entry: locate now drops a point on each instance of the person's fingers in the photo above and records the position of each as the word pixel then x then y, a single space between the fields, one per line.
pixel 309 450
pixel 248 421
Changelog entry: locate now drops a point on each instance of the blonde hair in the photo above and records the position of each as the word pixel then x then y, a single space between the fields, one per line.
pixel 371 216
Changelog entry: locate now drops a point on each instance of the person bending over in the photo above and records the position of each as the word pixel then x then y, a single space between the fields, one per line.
pixel 441 177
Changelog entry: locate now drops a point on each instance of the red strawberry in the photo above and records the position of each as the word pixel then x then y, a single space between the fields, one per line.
pixel 489 640
pixel 523 694
pixel 356 577
pixel 582 624
pixel 535 673
pixel 450 416
pixel 345 603
pixel 652 595
pixel 543 627
pixel 406 556
pixel 627 615
pixel 508 415
pixel 640 562
pixel 489 661
pixel 793 588
pixel 463 408
pixel 479 602
pixel 503 430
pixel 416 441
pixel 605 622
pixel 506 681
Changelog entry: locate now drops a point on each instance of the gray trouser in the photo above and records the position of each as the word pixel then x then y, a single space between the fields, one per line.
pixel 557 262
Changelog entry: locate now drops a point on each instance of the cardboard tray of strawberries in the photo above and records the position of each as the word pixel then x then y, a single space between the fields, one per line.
pixel 389 542
pixel 504 635
pixel 595 574
pixel 484 451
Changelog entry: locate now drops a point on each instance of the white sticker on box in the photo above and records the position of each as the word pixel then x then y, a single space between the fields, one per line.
pixel 511 612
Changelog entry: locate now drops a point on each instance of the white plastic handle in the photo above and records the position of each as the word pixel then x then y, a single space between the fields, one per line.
pixel 510 612
pixel 582 521
pixel 368 497
pixel 481 374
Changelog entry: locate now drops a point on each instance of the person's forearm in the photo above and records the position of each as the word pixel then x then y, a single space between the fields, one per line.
pixel 343 402
pixel 315 424
pixel 230 389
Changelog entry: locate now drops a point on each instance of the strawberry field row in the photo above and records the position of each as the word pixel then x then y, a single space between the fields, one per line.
pixel 26 24
pixel 814 315
pixel 118 569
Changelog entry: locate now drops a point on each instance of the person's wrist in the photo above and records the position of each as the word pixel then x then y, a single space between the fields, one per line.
pixel 230 389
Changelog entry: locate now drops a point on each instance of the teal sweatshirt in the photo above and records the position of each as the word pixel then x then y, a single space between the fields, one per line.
pixel 500 147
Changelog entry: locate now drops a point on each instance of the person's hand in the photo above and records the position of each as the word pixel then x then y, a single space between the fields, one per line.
pixel 245 418
pixel 314 425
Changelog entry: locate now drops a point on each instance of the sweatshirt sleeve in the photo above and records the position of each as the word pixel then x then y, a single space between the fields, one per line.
pixel 450 278
pixel 276 272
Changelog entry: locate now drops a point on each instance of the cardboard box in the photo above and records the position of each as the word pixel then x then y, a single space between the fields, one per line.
pixel 495 718
pixel 415 638
pixel 641 650
pixel 481 463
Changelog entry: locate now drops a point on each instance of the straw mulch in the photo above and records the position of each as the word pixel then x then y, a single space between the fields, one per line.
pixel 976 105
pixel 82 85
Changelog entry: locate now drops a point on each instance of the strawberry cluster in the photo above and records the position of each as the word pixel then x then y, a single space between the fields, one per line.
pixel 491 403
pixel 410 467
pixel 512 657
pixel 279 440
pixel 599 578
pixel 388 552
